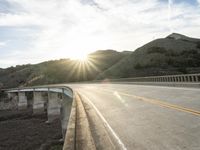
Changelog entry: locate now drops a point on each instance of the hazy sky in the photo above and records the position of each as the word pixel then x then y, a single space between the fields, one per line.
pixel 32 31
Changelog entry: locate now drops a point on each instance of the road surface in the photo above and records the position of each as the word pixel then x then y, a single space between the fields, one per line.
pixel 148 117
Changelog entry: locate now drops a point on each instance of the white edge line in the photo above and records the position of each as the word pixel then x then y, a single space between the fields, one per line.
pixel 106 123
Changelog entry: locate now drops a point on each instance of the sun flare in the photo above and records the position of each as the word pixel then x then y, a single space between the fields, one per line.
pixel 79 57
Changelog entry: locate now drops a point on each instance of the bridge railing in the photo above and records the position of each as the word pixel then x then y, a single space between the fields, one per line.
pixel 169 78
pixel 55 100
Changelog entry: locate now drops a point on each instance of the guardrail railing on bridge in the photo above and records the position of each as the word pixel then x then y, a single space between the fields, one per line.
pixel 167 78
pixel 56 101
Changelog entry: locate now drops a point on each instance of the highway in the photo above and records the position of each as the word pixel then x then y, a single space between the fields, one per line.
pixel 147 117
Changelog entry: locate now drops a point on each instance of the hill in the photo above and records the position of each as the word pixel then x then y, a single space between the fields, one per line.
pixel 175 54
pixel 60 71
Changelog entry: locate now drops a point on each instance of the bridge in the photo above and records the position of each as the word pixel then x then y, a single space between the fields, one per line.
pixel 130 113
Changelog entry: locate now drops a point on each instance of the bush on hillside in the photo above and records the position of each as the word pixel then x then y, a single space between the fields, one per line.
pixel 156 50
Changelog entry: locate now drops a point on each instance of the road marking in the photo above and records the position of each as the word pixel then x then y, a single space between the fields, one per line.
pixel 159 102
pixel 164 104
pixel 106 123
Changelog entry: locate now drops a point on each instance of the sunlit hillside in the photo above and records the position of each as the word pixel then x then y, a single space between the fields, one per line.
pixel 175 54
pixel 59 71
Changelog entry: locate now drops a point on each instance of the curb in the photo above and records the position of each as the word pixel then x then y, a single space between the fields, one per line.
pixel 78 135
pixel 84 139
pixel 70 137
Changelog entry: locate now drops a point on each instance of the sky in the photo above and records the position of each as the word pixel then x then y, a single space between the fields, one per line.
pixel 32 31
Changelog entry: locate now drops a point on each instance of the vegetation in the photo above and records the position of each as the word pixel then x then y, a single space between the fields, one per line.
pixel 159 57
pixel 60 71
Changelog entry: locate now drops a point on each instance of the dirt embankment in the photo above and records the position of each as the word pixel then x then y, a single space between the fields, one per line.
pixel 20 130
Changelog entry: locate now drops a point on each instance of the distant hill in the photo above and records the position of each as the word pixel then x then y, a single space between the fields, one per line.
pixel 59 71
pixel 175 54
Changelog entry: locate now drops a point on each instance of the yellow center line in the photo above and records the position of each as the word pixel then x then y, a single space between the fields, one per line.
pixel 164 104
pixel 160 103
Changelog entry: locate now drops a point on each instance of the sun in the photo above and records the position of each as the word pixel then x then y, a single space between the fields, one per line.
pixel 79 57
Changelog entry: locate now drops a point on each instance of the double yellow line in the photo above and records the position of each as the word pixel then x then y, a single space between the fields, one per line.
pixel 164 104
pixel 160 103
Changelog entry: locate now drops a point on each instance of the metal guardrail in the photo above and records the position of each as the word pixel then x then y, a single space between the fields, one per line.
pixel 58 89
pixel 169 78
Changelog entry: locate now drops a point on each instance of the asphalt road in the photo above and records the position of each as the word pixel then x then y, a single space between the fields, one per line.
pixel 148 117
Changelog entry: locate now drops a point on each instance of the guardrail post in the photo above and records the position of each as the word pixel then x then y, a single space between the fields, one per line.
pixel 193 78
pixel 54 106
pixel 185 78
pixel 38 102
pixel 182 78
pixel 196 78
pixel 22 100
pixel 14 98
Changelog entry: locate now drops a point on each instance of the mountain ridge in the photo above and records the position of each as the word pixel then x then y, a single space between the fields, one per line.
pixel 174 54
pixel 159 57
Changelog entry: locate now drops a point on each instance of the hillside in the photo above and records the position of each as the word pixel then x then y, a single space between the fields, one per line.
pixel 175 54
pixel 59 71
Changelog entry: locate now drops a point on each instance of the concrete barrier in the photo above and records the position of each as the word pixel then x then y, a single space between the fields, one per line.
pixel 66 107
pixel 56 100
pixel 70 137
